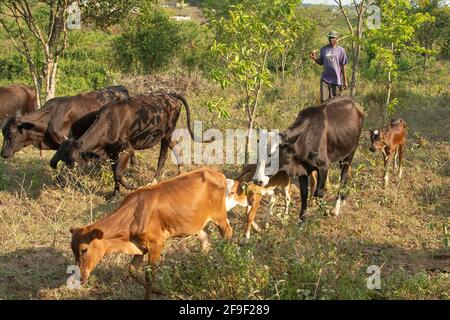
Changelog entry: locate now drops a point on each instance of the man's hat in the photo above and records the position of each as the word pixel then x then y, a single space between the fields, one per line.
pixel 333 34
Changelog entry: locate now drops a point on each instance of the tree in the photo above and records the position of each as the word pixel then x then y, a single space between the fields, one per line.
pixel 105 13
pixel 395 35
pixel 356 34
pixel 292 28
pixel 244 40
pixel 435 30
pixel 47 31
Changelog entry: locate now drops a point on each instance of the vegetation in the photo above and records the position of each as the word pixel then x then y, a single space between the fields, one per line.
pixel 403 228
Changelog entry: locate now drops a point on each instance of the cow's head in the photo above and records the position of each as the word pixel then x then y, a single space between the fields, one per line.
pixel 16 136
pixel 235 195
pixel 72 152
pixel 62 154
pixel 88 248
pixel 260 178
pixel 376 140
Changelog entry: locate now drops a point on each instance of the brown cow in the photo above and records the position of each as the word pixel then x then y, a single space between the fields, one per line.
pixel 16 100
pixel 47 127
pixel 147 217
pixel 390 140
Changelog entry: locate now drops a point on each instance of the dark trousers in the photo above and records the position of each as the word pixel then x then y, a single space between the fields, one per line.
pixel 329 90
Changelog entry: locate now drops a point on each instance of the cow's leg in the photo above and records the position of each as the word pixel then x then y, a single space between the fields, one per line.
pixel 162 159
pixel 173 147
pixel 401 151
pixel 312 178
pixel 251 216
pixel 204 240
pixel 322 175
pixel 287 199
pixel 387 161
pixel 119 166
pixel 224 226
pixel 154 253
pixel 303 180
pixel 345 165
pixel 134 267
pixel 133 160
pixel 395 164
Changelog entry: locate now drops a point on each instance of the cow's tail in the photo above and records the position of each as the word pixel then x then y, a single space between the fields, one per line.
pixel 188 118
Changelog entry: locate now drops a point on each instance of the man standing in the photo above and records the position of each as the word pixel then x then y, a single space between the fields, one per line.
pixel 334 61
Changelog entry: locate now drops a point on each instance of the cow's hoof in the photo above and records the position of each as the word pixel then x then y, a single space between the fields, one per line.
pixel 113 197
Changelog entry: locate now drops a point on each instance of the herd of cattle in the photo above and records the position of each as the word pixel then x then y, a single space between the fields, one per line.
pixel 109 124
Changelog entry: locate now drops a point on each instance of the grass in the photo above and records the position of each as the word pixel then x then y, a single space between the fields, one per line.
pixel 400 228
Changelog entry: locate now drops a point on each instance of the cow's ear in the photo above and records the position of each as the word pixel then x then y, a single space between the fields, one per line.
pixel 96 234
pixel 26 126
pixel 72 230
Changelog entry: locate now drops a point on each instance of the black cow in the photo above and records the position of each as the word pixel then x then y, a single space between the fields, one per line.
pixel 47 127
pixel 318 137
pixel 121 127
pixel 16 100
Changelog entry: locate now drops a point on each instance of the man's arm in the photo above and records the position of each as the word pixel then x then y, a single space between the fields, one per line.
pixel 313 56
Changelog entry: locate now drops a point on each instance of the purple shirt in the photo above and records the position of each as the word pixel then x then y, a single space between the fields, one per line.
pixel 332 60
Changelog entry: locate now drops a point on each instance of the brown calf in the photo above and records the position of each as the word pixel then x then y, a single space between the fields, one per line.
pixel 245 193
pixel 390 140
pixel 180 206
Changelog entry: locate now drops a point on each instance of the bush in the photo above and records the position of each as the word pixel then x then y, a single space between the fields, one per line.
pixel 153 41
pixel 149 44
pixel 13 67
pixel 86 63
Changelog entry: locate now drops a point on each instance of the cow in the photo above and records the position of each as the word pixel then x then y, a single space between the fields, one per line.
pixel 47 127
pixel 136 124
pixel 16 100
pixel 319 136
pixel 151 215
pixel 390 140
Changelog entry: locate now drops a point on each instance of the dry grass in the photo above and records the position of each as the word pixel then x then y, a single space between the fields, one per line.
pixel 400 228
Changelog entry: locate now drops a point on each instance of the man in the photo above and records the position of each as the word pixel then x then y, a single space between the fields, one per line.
pixel 334 61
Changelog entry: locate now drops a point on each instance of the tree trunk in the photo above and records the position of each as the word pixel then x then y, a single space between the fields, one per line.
pixel 249 139
pixel 51 79
pixel 388 96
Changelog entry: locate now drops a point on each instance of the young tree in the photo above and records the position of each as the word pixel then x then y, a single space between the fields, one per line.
pixel 37 24
pixel 244 40
pixel 356 32
pixel 394 36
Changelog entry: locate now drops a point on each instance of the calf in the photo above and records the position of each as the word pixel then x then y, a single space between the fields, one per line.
pixel 390 140
pixel 149 216
pixel 245 193
pixel 136 124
